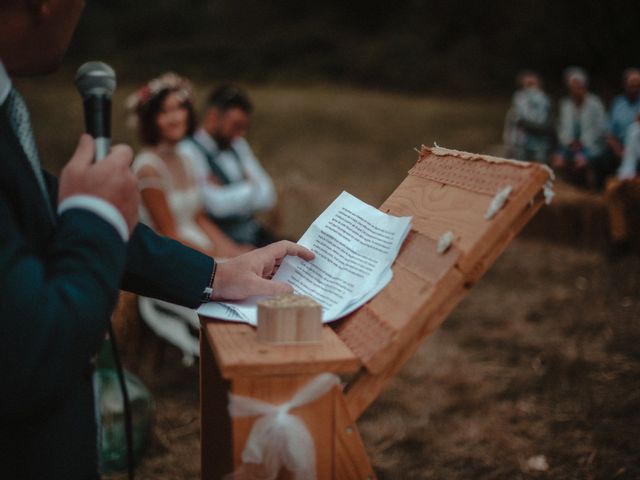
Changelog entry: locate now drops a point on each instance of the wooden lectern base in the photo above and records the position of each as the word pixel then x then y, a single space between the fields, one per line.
pixel 289 319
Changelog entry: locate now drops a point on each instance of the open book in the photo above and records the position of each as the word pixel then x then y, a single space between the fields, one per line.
pixel 355 245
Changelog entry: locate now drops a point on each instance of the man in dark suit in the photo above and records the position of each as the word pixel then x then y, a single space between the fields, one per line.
pixel 66 247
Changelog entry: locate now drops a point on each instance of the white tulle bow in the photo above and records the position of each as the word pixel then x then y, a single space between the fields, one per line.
pixel 280 439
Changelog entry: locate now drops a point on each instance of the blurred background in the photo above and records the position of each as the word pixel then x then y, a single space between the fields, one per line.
pixel 466 48
pixel 537 373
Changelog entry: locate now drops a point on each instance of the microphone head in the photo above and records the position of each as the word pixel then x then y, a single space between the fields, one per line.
pixel 95 78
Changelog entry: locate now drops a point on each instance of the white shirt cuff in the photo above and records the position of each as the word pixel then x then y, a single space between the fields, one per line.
pixel 100 207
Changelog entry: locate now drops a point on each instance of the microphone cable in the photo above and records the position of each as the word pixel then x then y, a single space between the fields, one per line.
pixel 128 419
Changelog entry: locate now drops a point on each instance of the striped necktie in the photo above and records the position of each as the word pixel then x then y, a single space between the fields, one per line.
pixel 21 124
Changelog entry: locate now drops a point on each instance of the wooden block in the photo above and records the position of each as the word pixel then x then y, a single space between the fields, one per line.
pixel 288 319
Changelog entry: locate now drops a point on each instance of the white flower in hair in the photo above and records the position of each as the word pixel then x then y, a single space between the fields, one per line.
pixel 140 98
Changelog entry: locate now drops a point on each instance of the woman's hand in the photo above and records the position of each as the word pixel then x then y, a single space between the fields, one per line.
pixel 249 274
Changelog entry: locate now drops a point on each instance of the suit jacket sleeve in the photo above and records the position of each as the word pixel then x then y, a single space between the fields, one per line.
pixel 162 268
pixel 55 307
pixel 159 267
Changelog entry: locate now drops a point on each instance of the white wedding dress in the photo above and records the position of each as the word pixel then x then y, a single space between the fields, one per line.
pixel 171 322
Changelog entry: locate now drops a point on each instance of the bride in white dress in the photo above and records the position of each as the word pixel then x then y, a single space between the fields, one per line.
pixel 171 199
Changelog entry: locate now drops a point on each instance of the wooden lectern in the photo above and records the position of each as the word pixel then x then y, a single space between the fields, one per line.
pixel 446 191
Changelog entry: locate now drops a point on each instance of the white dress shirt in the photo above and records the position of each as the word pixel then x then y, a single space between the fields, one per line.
pixel 251 189
pixel 587 123
pixel 96 205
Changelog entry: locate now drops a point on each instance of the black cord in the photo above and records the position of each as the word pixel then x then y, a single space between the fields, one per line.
pixel 128 427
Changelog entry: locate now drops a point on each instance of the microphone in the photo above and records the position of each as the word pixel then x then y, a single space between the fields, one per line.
pixel 96 82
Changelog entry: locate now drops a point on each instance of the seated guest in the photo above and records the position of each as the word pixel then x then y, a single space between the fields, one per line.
pixel 171 199
pixel 234 184
pixel 582 126
pixel 527 132
pixel 623 112
pixel 623 191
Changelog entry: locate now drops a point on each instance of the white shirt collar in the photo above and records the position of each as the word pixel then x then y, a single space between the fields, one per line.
pixel 206 140
pixel 5 84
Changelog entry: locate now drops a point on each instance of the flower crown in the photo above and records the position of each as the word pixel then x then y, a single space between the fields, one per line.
pixel 137 101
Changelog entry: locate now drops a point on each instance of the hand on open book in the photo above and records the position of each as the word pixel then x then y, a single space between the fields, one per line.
pixel 249 274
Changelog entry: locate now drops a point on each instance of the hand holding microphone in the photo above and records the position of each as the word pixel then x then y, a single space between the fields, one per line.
pixel 96 169
pixel 110 179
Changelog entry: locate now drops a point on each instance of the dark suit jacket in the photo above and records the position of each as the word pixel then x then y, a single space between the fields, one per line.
pixel 58 286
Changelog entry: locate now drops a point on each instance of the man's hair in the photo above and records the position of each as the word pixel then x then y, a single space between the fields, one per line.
pixel 577 73
pixel 229 96
pixel 147 124
pixel 527 73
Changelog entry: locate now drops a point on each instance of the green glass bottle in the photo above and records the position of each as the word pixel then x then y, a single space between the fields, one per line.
pixel 112 439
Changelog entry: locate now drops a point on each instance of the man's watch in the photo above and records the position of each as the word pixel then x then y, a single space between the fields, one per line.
pixel 208 290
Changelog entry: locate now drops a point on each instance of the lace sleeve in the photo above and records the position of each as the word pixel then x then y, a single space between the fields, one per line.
pixel 154 163
pixel 151 182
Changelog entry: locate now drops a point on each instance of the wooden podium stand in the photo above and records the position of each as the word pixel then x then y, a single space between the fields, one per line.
pixel 446 191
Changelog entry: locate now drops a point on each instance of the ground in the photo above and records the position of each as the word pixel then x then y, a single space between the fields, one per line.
pixel 541 359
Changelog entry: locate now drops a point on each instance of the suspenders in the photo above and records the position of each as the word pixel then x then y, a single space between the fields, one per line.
pixel 211 160
pixel 233 220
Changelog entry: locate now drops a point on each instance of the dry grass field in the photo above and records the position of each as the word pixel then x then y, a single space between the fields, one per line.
pixel 541 359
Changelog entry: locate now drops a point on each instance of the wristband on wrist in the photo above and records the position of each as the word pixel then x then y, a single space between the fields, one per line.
pixel 208 291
